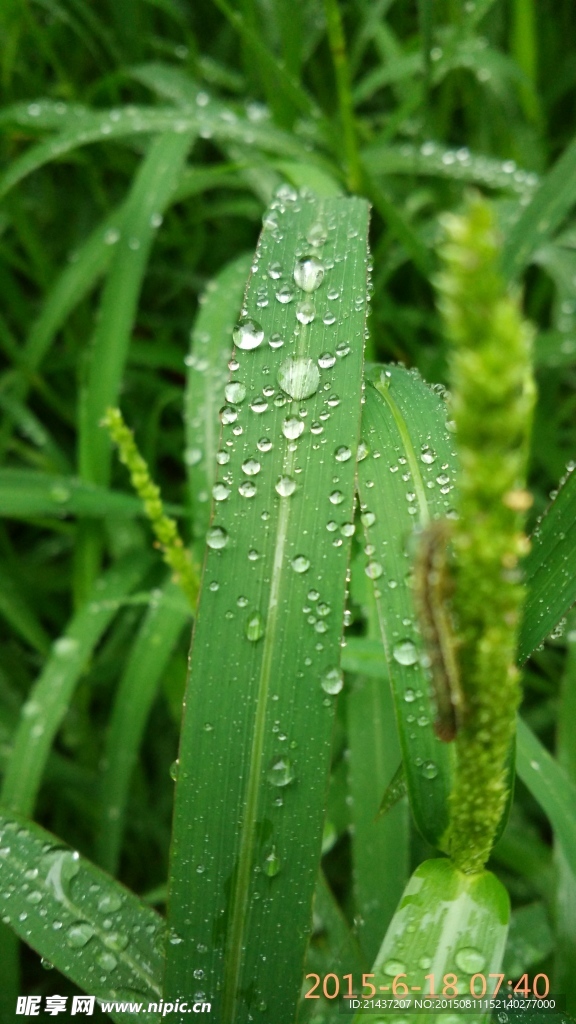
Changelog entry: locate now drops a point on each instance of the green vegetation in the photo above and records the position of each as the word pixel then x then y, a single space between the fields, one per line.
pixel 309 268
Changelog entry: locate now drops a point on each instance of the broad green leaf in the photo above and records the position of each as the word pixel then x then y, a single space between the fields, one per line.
pixel 550 569
pixel 169 612
pixel 96 932
pixel 551 787
pixel 49 699
pixel 539 220
pixel 404 483
pixel 207 372
pixel 26 494
pixel 447 923
pixel 265 656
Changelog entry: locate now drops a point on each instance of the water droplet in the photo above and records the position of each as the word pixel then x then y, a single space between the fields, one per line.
pixel 275 271
pixel 251 467
pixel 342 454
pixel 309 273
pixel 220 492
pixel 470 960
pixel 253 555
pixel 326 360
pixel 336 497
pixel 217 538
pixel 281 772
pixel 394 967
pixel 271 864
pixel 111 236
pixel 300 563
pixel 46 964
pixel 285 486
pixel 259 405
pixel 248 334
pixel 79 934
pixel 107 961
pixel 299 377
pixel 285 294
pixel 276 341
pixel 427 455
pixel 367 519
pixel 174 770
pixel 228 415
pixel 347 529
pixel 373 570
pixel 235 392
pixel 305 311
pixel 328 319
pixel 332 681
pixel 292 428
pixel 247 489
pixel 110 903
pixel 255 627
pixel 317 234
pixel 405 653
pixel 65 647
pixel 429 770
pixel 342 348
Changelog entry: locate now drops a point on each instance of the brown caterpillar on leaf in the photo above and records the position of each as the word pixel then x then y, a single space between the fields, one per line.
pixel 432 590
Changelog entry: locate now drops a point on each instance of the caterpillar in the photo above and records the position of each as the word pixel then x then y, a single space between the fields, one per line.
pixel 432 591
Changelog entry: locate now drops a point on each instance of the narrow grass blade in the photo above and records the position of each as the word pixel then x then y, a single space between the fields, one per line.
pixel 530 940
pixel 448 928
pixel 332 945
pixel 206 375
pixel 432 159
pixel 26 494
pixel 365 657
pixel 151 192
pixel 50 697
pixel 405 483
pixel 79 919
pixel 379 848
pixel 539 220
pixel 551 787
pixel 550 569
pixel 19 612
pixel 265 670
pixel 565 901
pixel 149 655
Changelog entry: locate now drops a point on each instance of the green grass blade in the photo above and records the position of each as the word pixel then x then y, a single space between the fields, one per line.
pixel 49 698
pixel 404 483
pixel 260 702
pixel 432 159
pixel 365 657
pixel 529 940
pixel 26 494
pixel 206 375
pixel 551 787
pixel 18 610
pixel 150 194
pixel 169 612
pixel 565 895
pixel 550 569
pixel 538 221
pixel 79 919
pixel 447 923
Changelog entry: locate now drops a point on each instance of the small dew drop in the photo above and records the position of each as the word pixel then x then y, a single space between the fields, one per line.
pixel 305 311
pixel 285 486
pixel 251 467
pixel 429 770
pixel 299 377
pixel 336 497
pixel 247 489
pixel 292 428
pixel 271 868
pixel 326 360
pixel 174 770
pixel 228 415
pixel 470 960
pixel 373 570
pixel 255 627
pixel 332 681
pixel 79 934
pixel 264 444
pixel 281 772
pixel 220 492
pixel 342 454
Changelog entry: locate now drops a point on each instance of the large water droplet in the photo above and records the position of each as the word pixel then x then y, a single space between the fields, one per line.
pixel 247 489
pixel 79 934
pixel 317 234
pixel 470 960
pixel 284 294
pixel 281 772
pixel 326 360
pixel 405 653
pixel 332 681
pixel 299 377
pixel 228 414
pixel 285 486
pixel 248 334
pixel 251 467
pixel 107 961
pixel 220 492
pixel 109 903
pixel 305 311
pixel 336 497
pixel 300 563
pixel 271 864
pixel 235 392
pixel 374 570
pixel 429 770
pixel 309 273
pixel 255 627
pixel 292 428
pixel 342 454
pixel 217 537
